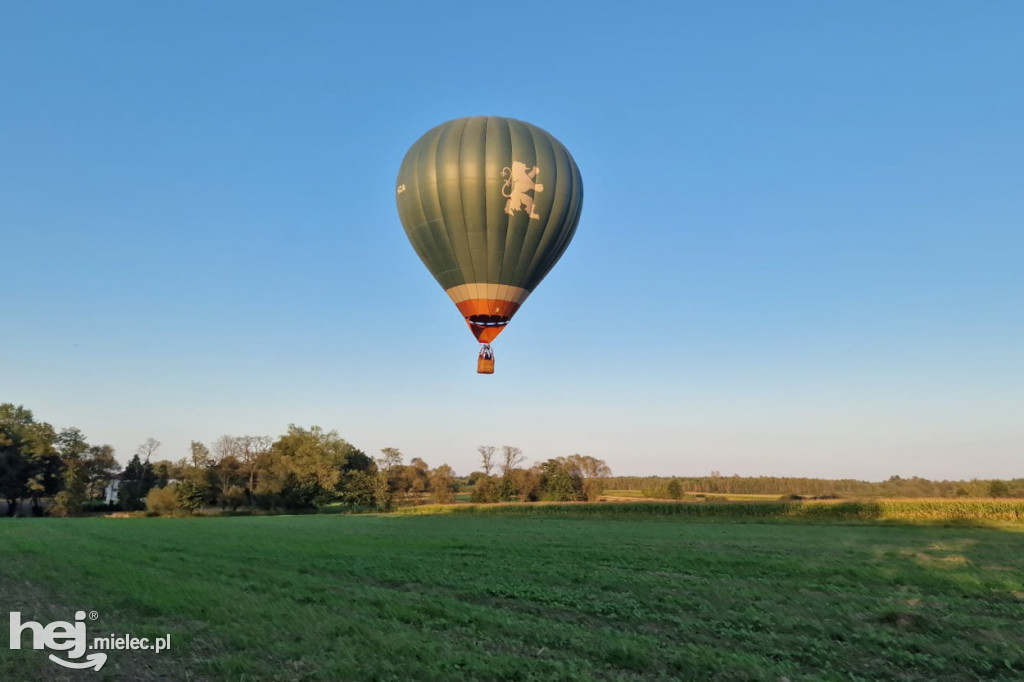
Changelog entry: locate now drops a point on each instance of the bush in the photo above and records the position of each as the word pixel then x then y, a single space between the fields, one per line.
pixel 559 483
pixel 163 501
pixel 593 488
pixel 233 498
pixel 64 504
pixel 485 490
pixel 674 490
pixel 998 489
pixel 190 496
pixel 299 493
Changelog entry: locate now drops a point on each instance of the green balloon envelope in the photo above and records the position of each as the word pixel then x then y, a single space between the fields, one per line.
pixel 490 205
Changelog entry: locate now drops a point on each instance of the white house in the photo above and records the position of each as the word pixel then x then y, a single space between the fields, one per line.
pixel 111 490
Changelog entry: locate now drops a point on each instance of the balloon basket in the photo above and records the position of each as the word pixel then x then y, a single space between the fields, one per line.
pixel 485 361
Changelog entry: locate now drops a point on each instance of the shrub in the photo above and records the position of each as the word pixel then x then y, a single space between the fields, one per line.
pixel 485 490
pixel 998 489
pixel 189 496
pixel 64 504
pixel 233 498
pixel 593 488
pixel 163 501
pixel 299 492
pixel 674 490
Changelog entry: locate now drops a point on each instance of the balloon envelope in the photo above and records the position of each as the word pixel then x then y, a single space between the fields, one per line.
pixel 489 204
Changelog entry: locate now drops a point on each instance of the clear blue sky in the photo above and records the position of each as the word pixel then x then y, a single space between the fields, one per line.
pixel 800 253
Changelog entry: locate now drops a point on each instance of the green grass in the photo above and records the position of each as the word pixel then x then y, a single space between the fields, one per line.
pixel 524 597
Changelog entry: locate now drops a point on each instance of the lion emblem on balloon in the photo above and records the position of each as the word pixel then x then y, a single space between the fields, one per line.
pixel 518 181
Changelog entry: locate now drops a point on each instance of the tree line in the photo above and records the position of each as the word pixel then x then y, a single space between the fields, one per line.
pixel 307 468
pixel 303 469
pixel 562 479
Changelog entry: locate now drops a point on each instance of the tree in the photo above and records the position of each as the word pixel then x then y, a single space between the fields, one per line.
pixel 225 466
pixel 675 490
pixel 102 467
pixel 136 482
pixel 191 495
pixel 72 448
pixel 233 498
pixel 560 481
pixel 485 489
pixel 414 479
pixel 384 484
pixel 30 465
pixel 592 471
pixel 181 497
pixel 998 489
pixel 251 451
pixel 512 458
pixel 442 484
pixel 168 472
pixel 487 455
pixel 527 484
pixel 13 474
pixel 200 454
pixel 147 449
pixel 305 467
pixel 357 488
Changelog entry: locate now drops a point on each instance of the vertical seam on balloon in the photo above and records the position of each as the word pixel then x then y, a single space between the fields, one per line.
pixel 569 222
pixel 511 217
pixel 426 221
pixel 508 218
pixel 437 197
pixel 572 208
pixel 443 226
pixel 520 278
pixel 482 159
pixel 462 205
pixel 577 201
pixel 493 276
pixel 540 256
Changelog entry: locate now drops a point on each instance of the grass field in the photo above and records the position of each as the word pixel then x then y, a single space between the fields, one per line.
pixel 523 597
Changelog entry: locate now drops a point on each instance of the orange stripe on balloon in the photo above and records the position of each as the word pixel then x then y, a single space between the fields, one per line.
pixel 487 317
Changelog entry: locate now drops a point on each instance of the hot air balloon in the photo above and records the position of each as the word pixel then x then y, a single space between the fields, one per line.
pixel 489 204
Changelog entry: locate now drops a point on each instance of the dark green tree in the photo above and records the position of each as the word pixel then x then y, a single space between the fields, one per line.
pixel 30 466
pixel 560 481
pixel 136 482
pixel 998 489
pixel 674 489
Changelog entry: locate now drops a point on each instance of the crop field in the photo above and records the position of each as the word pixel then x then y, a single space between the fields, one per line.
pixel 972 511
pixel 545 595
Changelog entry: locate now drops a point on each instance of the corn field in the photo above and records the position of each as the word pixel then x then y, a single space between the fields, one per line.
pixel 1005 511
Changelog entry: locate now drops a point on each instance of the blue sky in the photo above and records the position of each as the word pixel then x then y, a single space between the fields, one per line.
pixel 800 251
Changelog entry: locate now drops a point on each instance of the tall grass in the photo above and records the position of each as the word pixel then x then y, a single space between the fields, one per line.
pixel 1011 511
